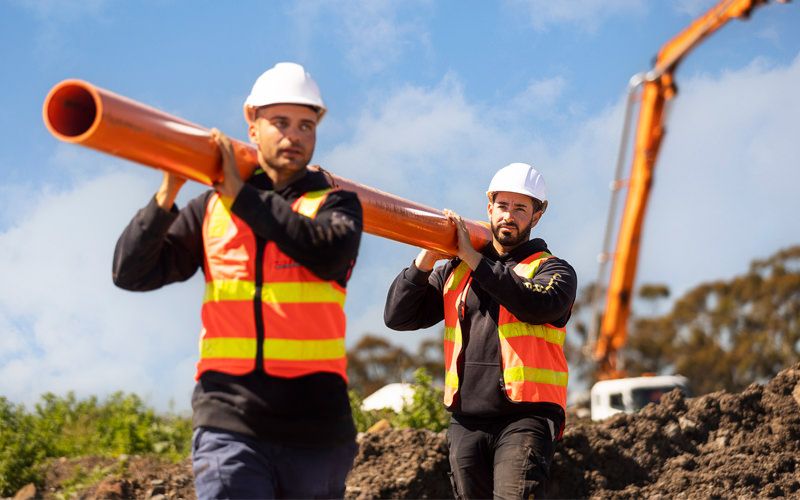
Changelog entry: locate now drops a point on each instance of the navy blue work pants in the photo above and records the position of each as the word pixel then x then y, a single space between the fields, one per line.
pixel 503 460
pixel 233 465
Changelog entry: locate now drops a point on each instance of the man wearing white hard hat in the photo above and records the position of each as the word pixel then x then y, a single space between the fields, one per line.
pixel 271 414
pixel 505 308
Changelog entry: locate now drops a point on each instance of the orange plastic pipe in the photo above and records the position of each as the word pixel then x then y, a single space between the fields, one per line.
pixel 78 112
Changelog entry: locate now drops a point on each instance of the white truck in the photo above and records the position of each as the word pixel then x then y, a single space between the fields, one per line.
pixel 631 394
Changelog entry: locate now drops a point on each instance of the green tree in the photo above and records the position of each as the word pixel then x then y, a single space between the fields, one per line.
pixel 375 362
pixel 430 357
pixel 726 334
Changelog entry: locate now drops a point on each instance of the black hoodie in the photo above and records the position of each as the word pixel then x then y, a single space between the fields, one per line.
pixel 415 301
pixel 160 247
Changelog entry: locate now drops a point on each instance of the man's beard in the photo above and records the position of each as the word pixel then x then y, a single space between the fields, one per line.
pixel 510 240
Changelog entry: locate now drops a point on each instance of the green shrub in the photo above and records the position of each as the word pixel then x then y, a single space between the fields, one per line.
pixel 425 411
pixel 67 427
pixel 21 448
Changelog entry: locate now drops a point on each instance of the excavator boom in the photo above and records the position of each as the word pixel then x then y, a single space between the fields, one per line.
pixel 657 87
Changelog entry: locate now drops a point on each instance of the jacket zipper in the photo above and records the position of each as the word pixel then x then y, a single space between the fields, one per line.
pixel 257 309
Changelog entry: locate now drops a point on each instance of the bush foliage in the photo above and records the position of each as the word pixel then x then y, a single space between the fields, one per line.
pixel 425 411
pixel 68 427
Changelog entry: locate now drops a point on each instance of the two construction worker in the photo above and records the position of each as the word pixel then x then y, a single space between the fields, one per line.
pixel 505 308
pixel 271 414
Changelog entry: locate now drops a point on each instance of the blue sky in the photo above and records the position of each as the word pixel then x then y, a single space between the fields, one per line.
pixel 426 100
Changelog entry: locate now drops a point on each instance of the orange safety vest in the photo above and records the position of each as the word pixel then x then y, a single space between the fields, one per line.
pixel 533 362
pixel 302 315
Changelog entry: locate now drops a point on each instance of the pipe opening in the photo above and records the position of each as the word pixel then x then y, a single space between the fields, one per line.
pixel 71 110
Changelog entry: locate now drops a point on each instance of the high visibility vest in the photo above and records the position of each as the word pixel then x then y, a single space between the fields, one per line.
pixel 302 315
pixel 532 356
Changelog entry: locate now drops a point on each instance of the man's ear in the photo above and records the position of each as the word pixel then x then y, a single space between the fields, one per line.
pixel 252 132
pixel 538 215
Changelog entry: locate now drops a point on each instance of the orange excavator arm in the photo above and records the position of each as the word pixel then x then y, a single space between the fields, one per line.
pixel 657 87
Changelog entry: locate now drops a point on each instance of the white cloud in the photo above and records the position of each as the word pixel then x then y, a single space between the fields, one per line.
pixel 65 326
pixel 430 144
pixel 376 33
pixel 587 15
pixel 725 189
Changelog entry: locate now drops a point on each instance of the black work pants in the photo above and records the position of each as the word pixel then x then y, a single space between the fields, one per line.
pixel 503 459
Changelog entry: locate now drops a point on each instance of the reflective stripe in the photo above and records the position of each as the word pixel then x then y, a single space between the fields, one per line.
pixel 309 203
pixel 520 329
pixel 451 380
pixel 220 290
pixel 221 347
pixel 273 293
pixel 284 349
pixel 304 292
pixel 452 334
pixel 456 276
pixel 220 217
pixel 537 375
pixel 305 350
pixel 529 269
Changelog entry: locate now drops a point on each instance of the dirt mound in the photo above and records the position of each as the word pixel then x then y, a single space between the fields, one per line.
pixel 404 463
pixel 718 445
pixel 127 477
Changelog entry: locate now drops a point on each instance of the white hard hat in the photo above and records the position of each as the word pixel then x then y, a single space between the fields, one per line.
pixel 519 178
pixel 285 83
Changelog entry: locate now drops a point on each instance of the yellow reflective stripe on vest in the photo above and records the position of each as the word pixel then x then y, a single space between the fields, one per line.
pixel 285 349
pixel 536 375
pixel 303 292
pixel 456 276
pixel 309 203
pixel 220 290
pixel 452 334
pixel 303 350
pixel 529 269
pixel 228 348
pixel 274 293
pixel 220 218
pixel 451 380
pixel 520 329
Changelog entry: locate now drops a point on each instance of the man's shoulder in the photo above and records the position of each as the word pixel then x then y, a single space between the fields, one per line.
pixel 551 260
pixel 318 181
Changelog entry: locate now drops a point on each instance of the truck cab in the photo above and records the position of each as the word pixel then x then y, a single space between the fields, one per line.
pixel 628 395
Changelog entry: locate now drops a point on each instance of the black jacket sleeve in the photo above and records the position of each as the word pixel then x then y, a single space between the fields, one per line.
pixel 546 298
pixel 415 299
pixel 327 245
pixel 160 247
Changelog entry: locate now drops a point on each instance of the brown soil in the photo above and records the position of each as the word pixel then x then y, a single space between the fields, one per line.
pixel 719 445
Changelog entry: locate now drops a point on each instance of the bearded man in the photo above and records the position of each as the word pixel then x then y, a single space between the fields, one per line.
pixel 505 308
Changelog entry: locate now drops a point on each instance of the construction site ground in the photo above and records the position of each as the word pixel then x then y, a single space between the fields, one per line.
pixel 719 445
